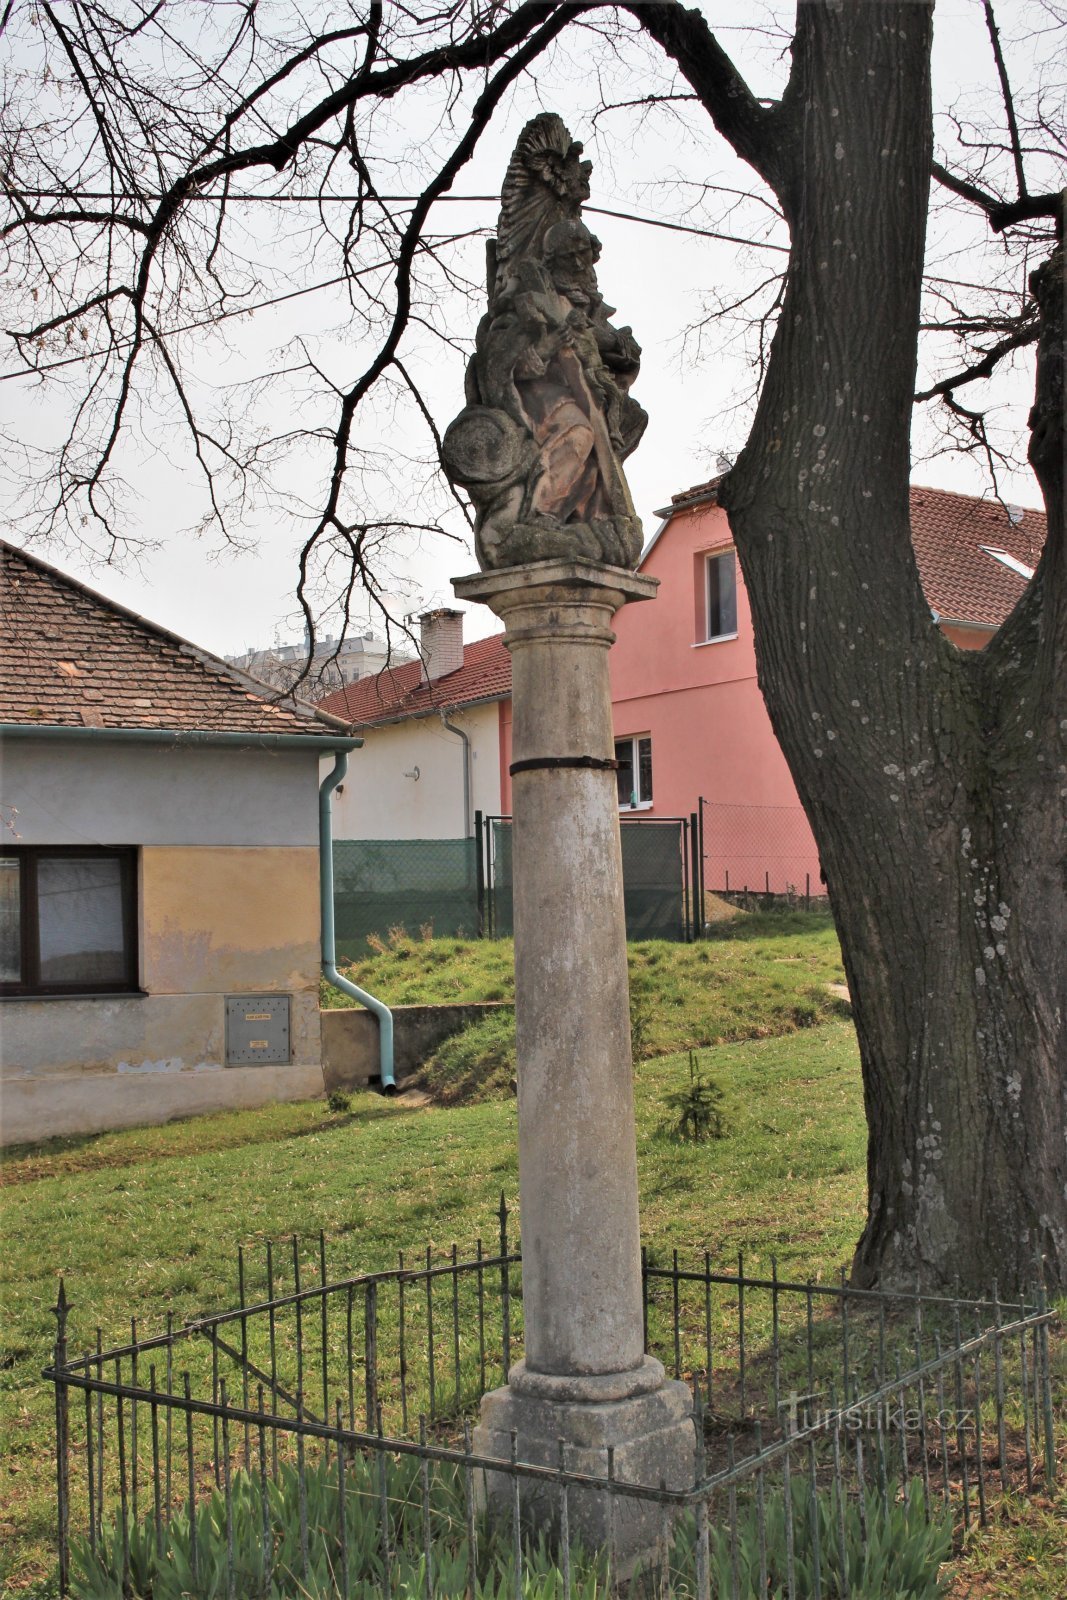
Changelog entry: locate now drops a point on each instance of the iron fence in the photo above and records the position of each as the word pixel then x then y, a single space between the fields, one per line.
pixel 317 1434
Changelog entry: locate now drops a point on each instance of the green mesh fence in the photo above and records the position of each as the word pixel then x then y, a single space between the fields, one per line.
pixel 653 879
pixel 653 875
pixel 380 884
pixel 501 920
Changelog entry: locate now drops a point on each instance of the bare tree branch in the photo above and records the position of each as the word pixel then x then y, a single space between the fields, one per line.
pixel 1025 335
pixel 739 116
pixel 480 116
pixel 1009 103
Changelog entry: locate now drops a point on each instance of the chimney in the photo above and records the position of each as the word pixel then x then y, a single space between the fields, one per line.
pixel 440 643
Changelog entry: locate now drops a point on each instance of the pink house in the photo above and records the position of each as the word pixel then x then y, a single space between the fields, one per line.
pixel 690 720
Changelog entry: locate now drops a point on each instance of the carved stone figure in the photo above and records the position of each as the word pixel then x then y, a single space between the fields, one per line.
pixel 549 417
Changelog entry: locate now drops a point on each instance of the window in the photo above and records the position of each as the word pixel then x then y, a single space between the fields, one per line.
pixel 67 921
pixel 634 756
pixel 720 596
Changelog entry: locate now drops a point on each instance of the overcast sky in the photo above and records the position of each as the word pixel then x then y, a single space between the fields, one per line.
pixel 660 280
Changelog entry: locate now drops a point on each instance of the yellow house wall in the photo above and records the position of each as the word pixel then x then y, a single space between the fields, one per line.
pixel 214 921
pixel 220 920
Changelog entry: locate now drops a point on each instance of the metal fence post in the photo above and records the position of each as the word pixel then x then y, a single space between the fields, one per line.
pixel 479 872
pixel 686 886
pixel 60 1311
pixel 697 876
pixel 370 1347
pixel 505 1286
pixel 1046 1386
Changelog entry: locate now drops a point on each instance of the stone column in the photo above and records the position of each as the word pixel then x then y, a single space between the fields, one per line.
pixel 585 1378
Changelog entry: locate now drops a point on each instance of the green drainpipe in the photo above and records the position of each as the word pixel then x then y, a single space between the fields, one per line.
pixel 329 944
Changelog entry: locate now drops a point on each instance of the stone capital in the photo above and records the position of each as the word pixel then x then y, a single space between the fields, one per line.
pixel 546 582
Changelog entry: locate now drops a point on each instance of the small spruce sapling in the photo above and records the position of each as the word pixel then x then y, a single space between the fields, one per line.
pixel 697 1108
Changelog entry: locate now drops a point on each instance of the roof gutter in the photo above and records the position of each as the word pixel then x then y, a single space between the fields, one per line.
pixel 647 551
pixel 59 732
pixel 329 944
pixel 967 623
pixel 393 720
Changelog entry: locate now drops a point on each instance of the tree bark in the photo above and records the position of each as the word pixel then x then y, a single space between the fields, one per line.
pixel 934 779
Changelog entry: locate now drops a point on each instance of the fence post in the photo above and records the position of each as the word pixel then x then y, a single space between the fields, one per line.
pixel 1046 1385
pixel 479 872
pixel 370 1345
pixel 60 1311
pixel 505 1286
pixel 697 876
pixel 686 886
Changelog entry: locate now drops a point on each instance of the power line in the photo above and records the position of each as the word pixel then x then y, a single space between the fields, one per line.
pixel 202 322
pixel 465 199
pixel 402 199
pixel 682 227
pixel 188 327
pixel 265 199
pixel 331 283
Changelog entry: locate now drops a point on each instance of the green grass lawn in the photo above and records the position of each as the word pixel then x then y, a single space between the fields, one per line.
pixel 759 976
pixel 148 1221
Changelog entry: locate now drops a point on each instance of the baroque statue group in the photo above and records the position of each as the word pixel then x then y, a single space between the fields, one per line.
pixel 549 417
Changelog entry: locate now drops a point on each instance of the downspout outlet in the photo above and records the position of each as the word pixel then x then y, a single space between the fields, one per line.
pixel 329 944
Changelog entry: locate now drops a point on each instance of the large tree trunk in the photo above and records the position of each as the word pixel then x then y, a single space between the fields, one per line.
pixel 934 779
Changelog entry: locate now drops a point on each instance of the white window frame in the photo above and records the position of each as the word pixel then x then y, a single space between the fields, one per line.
pixel 634 740
pixel 716 556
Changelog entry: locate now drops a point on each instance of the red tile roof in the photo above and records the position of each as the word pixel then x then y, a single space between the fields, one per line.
pixel 697 495
pixel 962 583
pixel 71 658
pixel 397 693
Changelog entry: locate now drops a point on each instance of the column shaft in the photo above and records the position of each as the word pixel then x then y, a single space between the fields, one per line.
pixel 577 1151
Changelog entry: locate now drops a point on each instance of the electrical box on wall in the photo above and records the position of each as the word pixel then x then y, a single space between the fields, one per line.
pixel 257 1029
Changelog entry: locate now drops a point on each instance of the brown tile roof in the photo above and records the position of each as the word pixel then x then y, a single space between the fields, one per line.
pixel 72 658
pixel 397 692
pixel 697 495
pixel 961 581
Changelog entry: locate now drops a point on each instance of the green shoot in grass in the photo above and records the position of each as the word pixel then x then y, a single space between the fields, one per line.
pixel 697 1108
pixel 292 1547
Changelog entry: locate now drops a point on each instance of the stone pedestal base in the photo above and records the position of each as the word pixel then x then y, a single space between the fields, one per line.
pixel 651 1434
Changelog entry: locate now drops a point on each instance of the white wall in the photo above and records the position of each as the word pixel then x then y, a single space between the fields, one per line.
pixel 111 792
pixel 227 903
pixel 381 801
